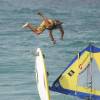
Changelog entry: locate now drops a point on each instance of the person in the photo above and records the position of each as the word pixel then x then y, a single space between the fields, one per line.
pixel 48 24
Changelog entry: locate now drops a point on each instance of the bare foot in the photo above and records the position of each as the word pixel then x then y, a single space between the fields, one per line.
pixel 25 25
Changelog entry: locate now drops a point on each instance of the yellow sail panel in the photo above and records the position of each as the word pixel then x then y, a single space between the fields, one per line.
pixel 97 58
pixel 71 74
pixel 88 90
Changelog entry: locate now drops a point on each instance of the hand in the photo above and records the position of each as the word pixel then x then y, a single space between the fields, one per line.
pixel 54 42
pixel 61 38
pixel 39 13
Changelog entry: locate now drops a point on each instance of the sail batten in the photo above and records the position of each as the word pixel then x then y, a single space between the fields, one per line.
pixel 81 77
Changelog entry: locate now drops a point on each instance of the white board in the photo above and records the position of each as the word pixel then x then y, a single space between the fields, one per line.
pixel 41 76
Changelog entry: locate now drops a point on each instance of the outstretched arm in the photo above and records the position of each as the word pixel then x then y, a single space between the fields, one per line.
pixel 51 37
pixel 42 16
pixel 62 32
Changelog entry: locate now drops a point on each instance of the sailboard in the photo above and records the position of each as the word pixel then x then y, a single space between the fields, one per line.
pixel 82 76
pixel 41 76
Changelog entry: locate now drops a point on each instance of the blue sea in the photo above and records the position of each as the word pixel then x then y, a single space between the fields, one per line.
pixel 81 23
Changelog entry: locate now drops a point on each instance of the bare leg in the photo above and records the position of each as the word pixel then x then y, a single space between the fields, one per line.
pixel 62 32
pixel 51 37
pixel 35 30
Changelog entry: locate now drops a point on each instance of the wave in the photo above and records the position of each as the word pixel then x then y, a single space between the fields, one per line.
pixel 5 5
pixel 30 10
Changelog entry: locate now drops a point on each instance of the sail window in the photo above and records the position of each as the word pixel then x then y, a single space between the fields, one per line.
pixel 71 73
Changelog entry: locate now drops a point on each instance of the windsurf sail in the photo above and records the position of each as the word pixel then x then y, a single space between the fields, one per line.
pixel 82 76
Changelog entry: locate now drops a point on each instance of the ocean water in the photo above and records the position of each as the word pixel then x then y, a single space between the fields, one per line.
pixel 17 45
